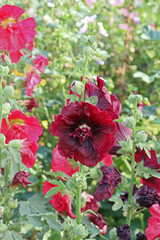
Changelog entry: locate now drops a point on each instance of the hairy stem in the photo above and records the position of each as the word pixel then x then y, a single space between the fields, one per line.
pixel 84 73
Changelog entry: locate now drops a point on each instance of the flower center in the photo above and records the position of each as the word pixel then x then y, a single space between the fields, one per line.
pixel 16 122
pixel 82 133
pixel 8 22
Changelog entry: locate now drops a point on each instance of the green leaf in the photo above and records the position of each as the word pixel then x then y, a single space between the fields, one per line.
pixel 149 33
pixel 53 191
pixel 146 172
pixel 142 75
pixel 92 229
pixel 35 221
pixel 10 235
pixel 35 204
pixel 53 223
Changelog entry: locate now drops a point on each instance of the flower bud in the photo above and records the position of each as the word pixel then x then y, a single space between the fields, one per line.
pixel 5 70
pixel 139 115
pixel 13 204
pixel 6 108
pixel 16 144
pixel 80 64
pixel 2 139
pixel 80 230
pixel 92 40
pixel 94 173
pixel 87 51
pixel 129 121
pixel 141 137
pixel 8 91
pixel 83 41
pixel 77 87
pixel 8 60
pixel 135 98
pixel 79 180
pixel 124 232
pixel 3 227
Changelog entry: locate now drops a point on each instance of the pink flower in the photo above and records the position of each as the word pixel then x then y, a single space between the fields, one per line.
pixel 153 230
pixel 60 163
pixel 61 204
pixel 86 21
pixel 102 30
pixel 33 79
pixel 91 203
pixel 116 3
pixel 15 33
pixel 125 27
pixel 40 61
pixel 90 3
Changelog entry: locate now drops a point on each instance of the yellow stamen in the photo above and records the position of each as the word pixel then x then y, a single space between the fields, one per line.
pixel 16 122
pixel 8 21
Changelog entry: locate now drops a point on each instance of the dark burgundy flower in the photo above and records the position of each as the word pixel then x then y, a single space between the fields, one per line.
pixel 99 221
pixel 85 133
pixel 147 196
pixel 90 203
pixel 21 178
pixel 106 102
pixel 31 103
pixel 124 232
pixel 111 178
pixel 121 135
pixel 124 196
pixel 150 163
pixel 141 236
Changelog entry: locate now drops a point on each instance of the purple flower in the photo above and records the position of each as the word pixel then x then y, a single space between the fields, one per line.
pixel 141 236
pixel 111 178
pixel 124 232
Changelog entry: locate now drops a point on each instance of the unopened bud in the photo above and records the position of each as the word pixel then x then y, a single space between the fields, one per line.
pixel 80 230
pixel 77 87
pixel 6 108
pixel 129 121
pixel 8 60
pixel 135 98
pixel 6 70
pixel 92 40
pixel 2 139
pixel 87 51
pixel 8 91
pixel 80 64
pixel 141 137
pixel 139 115
pixel 83 40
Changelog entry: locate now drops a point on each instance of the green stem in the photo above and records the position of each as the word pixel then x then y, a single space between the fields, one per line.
pixel 103 237
pixel 84 74
pixel 129 214
pixel 78 205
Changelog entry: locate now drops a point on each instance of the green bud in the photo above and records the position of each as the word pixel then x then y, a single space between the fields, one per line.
pixel 6 70
pixel 135 98
pixel 70 186
pixel 16 144
pixel 8 91
pixel 87 51
pixel 80 230
pixel 80 64
pixel 94 173
pixel 129 121
pixel 139 115
pixel 141 137
pixel 83 41
pixel 77 87
pixel 6 108
pixel 68 224
pixel 2 139
pixel 92 40
pixel 79 180
pixel 8 60
pixel 3 227
pixel 12 204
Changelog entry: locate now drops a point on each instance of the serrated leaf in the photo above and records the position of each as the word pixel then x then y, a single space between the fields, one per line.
pixel 53 191
pixel 11 235
pixel 53 223
pixel 92 229
pixel 35 221
pixel 35 204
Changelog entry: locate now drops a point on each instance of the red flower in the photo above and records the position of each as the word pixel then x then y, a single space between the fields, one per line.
pixel 150 163
pixel 15 34
pixel 28 152
pixel 40 61
pixel 99 221
pixel 90 203
pixel 33 79
pixel 60 163
pixel 31 103
pixel 106 102
pixel 61 204
pixel 21 127
pixel 85 133
pixel 153 230
pixel 108 160
pixel 21 178
pixel 110 179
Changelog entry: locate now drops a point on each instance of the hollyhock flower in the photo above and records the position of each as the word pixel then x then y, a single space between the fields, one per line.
pixel 147 196
pixel 15 33
pixel 100 62
pixel 40 62
pixel 61 204
pixel 60 163
pixel 121 135
pixel 102 30
pixel 85 21
pixel 141 236
pixel 153 230
pixel 33 79
pixel 20 178
pixel 99 221
pixel 31 103
pixel 150 163
pixel 107 102
pixel 85 133
pixel 124 196
pixel 110 179
pixel 108 160
pixel 116 3
pixel 126 27
pixel 28 152
pixel 124 232
pixel 21 127
pixel 90 202
pixel 90 3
